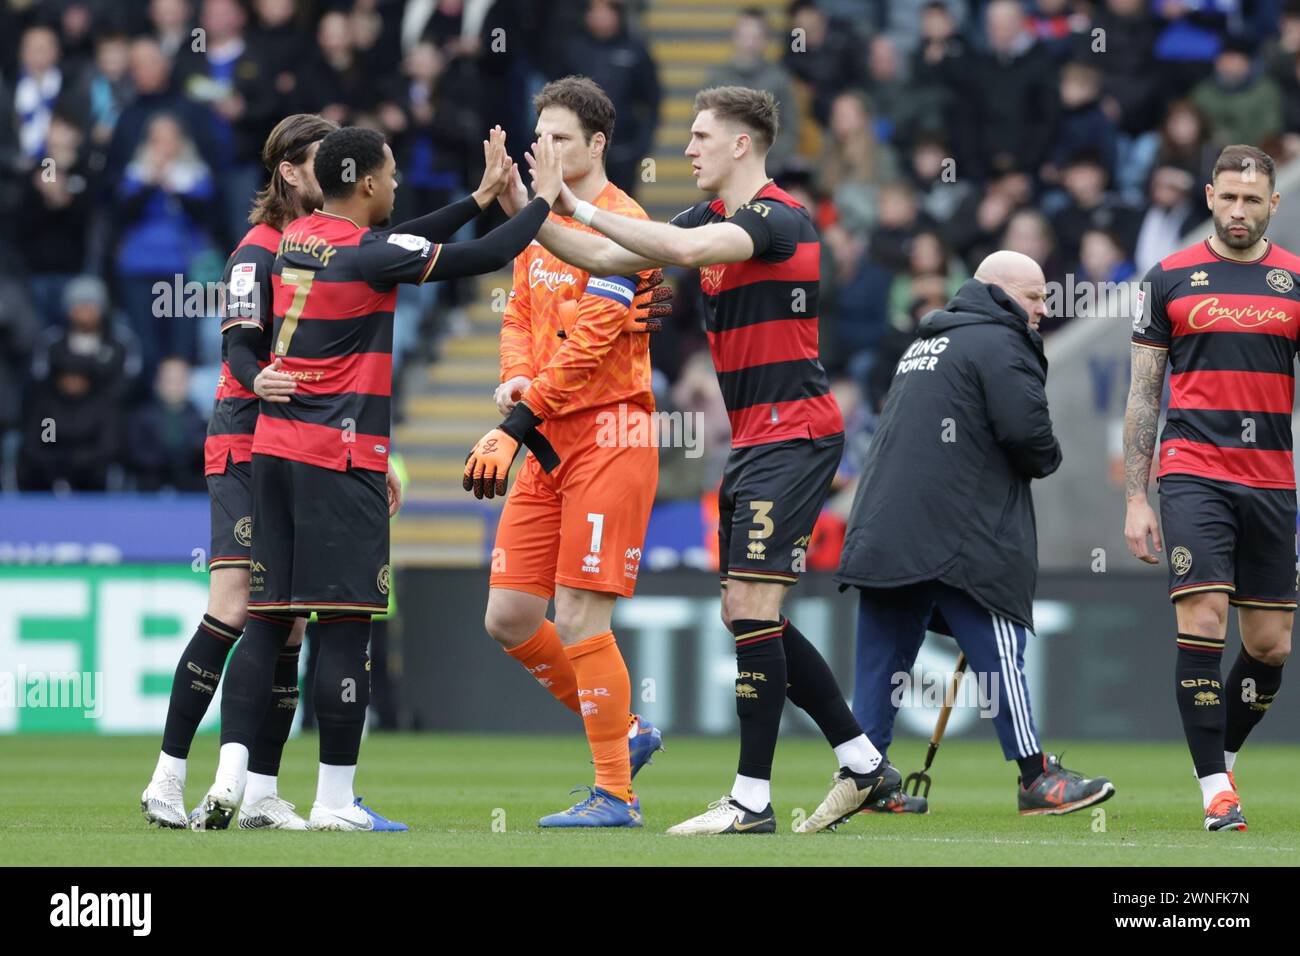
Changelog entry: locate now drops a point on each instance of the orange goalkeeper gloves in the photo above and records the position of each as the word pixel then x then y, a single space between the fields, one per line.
pixel 648 316
pixel 644 316
pixel 488 463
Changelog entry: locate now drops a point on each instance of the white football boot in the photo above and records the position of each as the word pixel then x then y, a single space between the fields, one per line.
pixel 358 816
pixel 270 813
pixel 163 802
pixel 726 816
pixel 217 809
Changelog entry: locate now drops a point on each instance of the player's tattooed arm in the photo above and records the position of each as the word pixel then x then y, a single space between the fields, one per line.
pixel 1142 417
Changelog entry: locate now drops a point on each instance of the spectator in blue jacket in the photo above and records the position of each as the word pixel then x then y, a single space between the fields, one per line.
pixel 163 205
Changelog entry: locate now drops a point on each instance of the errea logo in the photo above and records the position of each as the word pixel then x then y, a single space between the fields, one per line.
pixel 77 909
pixel 1200 278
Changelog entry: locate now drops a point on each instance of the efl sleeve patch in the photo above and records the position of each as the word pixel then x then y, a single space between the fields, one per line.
pixel 243 277
pixel 413 243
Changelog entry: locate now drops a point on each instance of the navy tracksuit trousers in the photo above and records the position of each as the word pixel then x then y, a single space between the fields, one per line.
pixel 891 625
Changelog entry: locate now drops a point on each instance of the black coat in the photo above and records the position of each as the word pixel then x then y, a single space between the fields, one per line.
pixel 944 495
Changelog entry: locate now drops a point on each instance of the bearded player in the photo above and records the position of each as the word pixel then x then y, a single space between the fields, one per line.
pixel 1223 315
pixel 758 256
pixel 574 354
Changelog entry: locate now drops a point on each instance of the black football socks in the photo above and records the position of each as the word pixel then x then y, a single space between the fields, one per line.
pixel 1199 687
pixel 341 692
pixel 277 721
pixel 1251 688
pixel 813 688
pixel 760 694
pixel 195 683
pixel 249 676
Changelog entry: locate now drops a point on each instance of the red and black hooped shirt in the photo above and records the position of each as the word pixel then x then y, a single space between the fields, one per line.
pixel 335 288
pixel 247 285
pixel 1231 331
pixel 761 317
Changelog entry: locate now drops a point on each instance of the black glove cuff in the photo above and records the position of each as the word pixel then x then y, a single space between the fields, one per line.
pixel 520 422
pixel 521 425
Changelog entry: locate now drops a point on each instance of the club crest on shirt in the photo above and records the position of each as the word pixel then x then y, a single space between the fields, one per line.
pixel 1279 280
pixel 711 278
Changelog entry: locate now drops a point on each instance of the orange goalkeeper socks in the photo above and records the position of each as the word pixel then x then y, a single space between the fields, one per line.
pixel 543 656
pixel 606 695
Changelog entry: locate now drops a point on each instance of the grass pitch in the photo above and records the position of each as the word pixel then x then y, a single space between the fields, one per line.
pixel 474 801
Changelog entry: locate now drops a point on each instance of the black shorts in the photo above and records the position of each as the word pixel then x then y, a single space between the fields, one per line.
pixel 230 495
pixel 1222 536
pixel 769 501
pixel 322 538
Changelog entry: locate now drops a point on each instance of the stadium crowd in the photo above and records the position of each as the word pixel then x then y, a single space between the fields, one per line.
pixel 922 135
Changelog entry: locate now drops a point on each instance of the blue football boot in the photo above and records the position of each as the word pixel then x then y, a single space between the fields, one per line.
pixel 598 809
pixel 643 739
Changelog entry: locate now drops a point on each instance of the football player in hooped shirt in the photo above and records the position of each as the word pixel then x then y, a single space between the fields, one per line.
pixel 1223 315
pixel 246 376
pixel 320 508
pixel 758 256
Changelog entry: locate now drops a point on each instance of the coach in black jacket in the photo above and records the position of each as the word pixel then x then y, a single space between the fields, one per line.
pixel 943 527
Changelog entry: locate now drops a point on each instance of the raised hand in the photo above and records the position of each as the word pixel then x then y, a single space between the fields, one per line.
pixel 496 168
pixel 547 172
pixel 515 196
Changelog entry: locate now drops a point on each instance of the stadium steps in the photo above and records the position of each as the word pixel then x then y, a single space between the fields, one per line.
pixel 448 405
pixel 688 39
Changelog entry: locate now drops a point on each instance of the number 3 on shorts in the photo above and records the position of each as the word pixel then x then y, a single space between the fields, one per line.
pixel 766 527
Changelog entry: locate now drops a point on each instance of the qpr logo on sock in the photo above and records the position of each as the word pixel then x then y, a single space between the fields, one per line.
pixel 77 909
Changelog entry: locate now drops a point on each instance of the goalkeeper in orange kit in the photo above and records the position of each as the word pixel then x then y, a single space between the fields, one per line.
pixel 575 372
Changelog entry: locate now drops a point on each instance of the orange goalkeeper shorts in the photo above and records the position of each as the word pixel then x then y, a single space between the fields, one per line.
pixel 582 525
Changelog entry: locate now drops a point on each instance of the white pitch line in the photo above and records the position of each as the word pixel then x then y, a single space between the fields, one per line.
pixel 1083 845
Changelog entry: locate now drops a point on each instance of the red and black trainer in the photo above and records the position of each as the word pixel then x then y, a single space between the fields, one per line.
pixel 898 802
pixel 1058 790
pixel 1225 813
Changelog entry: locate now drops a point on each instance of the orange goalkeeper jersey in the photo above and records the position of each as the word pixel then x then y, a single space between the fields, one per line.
pixel 596 363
